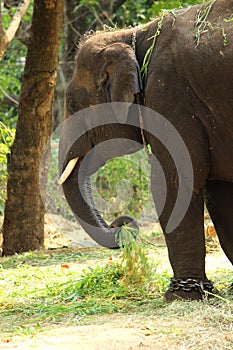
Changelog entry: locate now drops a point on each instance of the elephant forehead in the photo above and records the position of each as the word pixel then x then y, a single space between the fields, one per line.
pixel 83 78
pixel 88 54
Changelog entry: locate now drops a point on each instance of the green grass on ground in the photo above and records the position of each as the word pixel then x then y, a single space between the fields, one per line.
pixel 67 286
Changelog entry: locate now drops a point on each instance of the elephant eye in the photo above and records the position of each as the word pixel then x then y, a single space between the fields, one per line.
pixel 102 82
pixel 71 105
pixel 104 87
pixel 108 91
pixel 81 95
pixel 77 100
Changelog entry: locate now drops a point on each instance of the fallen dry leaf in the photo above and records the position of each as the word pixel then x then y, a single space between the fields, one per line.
pixel 65 266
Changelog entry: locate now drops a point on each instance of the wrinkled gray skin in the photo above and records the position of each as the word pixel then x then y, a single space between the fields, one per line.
pixel 192 86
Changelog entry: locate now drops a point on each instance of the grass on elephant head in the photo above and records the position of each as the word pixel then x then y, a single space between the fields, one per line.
pixel 203 24
pixel 41 288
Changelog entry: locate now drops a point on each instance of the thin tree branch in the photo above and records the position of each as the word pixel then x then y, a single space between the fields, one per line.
pixel 13 101
pixel 14 25
pixel 117 4
pixel 2 31
pixel 8 35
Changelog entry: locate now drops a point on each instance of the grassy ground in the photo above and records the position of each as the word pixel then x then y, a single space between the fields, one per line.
pixel 59 293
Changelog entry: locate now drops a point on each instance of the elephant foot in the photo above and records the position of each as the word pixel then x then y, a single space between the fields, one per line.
pixel 188 289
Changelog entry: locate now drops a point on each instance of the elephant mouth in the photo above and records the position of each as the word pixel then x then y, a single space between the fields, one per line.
pixel 99 153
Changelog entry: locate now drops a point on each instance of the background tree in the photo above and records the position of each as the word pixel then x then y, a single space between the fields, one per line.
pixel 23 227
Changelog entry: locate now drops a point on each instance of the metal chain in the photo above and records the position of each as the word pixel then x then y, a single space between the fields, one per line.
pixel 190 284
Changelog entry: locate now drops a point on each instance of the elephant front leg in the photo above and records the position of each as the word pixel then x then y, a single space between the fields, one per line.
pixel 184 235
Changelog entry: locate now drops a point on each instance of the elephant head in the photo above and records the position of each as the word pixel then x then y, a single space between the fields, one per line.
pixel 105 71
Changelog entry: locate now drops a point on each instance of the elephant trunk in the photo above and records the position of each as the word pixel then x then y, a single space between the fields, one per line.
pixel 77 190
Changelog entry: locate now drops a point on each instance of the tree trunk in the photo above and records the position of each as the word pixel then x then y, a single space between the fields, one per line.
pixel 23 227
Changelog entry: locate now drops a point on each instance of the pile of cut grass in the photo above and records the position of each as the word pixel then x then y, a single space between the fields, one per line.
pixel 37 288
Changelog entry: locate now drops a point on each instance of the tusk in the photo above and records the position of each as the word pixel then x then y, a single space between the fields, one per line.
pixel 66 173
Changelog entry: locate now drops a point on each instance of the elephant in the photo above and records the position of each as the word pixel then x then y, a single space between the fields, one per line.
pixel 180 66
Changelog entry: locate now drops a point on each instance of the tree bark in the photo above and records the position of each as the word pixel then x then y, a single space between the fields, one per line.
pixel 23 227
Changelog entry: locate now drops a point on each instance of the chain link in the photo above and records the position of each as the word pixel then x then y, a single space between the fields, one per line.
pixel 190 284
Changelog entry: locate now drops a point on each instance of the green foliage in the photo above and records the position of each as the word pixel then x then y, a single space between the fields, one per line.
pixel 6 140
pixel 158 6
pixel 134 12
pixel 137 12
pixel 11 68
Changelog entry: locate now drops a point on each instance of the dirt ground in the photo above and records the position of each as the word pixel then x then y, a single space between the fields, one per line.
pixel 113 332
pixel 128 332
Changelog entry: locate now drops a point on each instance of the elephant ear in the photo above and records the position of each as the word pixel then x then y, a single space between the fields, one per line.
pixel 120 75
